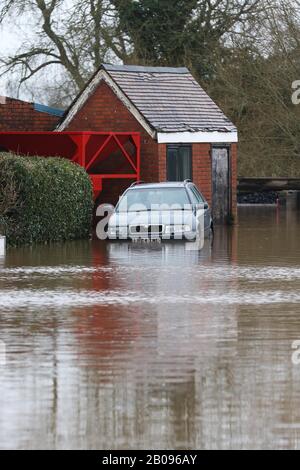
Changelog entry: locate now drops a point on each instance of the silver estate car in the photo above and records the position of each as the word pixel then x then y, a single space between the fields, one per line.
pixel 161 211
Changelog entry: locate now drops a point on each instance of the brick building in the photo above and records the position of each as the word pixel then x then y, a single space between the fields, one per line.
pixel 17 115
pixel 184 135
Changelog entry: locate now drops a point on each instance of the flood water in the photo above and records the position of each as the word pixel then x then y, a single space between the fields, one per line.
pixel 123 346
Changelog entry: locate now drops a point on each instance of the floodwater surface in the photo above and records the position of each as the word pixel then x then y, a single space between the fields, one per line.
pixel 125 346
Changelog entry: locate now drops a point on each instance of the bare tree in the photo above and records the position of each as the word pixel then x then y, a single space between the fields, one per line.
pixel 69 34
pixel 182 31
pixel 253 84
pixel 76 36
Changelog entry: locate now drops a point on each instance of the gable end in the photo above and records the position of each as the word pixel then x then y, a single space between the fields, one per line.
pixel 102 75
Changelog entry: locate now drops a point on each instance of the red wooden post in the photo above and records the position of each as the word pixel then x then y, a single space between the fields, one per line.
pixel 137 141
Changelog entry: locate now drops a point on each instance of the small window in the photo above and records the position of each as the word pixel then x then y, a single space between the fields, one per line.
pixel 179 162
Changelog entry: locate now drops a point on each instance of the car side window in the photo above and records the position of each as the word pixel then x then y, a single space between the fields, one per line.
pixel 195 195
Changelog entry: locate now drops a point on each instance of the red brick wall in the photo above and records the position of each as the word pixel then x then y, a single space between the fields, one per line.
pixel 162 162
pixel 104 112
pixel 202 169
pixel 16 115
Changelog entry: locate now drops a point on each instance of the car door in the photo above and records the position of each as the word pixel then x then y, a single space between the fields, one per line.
pixel 197 198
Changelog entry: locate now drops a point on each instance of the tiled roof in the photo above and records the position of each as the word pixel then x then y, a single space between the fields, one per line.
pixel 170 99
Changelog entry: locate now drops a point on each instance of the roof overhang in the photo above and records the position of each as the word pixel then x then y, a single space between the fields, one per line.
pixel 214 137
pixel 100 76
pixel 221 136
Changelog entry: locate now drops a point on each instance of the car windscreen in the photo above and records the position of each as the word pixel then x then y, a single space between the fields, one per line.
pixel 153 199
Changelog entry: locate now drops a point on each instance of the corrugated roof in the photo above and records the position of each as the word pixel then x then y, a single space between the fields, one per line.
pixel 49 110
pixel 170 99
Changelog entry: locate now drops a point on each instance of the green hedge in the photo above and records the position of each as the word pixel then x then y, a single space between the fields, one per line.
pixel 43 200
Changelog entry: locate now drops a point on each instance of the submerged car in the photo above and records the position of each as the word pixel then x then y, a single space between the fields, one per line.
pixel 161 211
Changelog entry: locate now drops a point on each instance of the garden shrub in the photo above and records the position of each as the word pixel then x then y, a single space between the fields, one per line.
pixel 43 199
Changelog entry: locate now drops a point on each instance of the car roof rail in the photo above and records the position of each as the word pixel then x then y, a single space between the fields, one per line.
pixel 187 181
pixel 135 183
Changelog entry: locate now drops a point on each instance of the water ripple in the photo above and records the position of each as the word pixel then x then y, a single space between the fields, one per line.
pixel 30 298
pixel 280 273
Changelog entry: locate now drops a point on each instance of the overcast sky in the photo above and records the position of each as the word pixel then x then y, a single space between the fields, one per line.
pixel 9 42
pixel 12 35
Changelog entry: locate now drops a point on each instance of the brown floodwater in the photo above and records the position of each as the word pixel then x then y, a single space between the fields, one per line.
pixel 125 346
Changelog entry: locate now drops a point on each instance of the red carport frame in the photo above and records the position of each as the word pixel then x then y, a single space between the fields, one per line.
pixel 86 148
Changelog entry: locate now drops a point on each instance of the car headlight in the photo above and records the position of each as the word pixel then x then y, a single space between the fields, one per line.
pixel 123 231
pixel 112 231
pixel 177 228
pixel 117 231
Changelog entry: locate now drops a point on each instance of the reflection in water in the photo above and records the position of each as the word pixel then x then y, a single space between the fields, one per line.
pixel 120 345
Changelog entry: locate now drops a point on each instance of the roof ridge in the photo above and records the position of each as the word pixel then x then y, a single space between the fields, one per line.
pixel 144 69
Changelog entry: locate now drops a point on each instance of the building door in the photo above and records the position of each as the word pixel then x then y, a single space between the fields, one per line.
pixel 220 184
pixel 179 162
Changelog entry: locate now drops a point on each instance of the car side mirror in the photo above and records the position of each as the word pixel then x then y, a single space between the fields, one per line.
pixel 203 205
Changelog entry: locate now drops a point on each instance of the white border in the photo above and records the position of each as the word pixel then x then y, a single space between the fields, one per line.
pixel 216 137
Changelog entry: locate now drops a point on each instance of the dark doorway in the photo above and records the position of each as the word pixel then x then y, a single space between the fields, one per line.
pixel 220 184
pixel 179 162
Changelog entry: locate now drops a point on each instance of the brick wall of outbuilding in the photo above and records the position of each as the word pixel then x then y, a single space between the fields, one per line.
pixel 202 169
pixel 17 115
pixel 103 111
